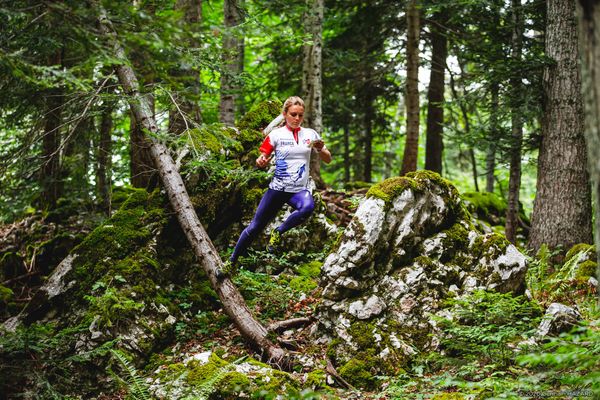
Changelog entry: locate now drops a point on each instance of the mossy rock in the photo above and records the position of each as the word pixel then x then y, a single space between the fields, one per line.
pixel 586 269
pixel 310 269
pixel 392 187
pixel 260 115
pixel 588 249
pixel 485 204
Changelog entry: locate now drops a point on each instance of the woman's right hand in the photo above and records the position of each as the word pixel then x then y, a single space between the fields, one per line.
pixel 262 161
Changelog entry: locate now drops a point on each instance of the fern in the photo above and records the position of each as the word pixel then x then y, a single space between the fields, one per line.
pixel 138 389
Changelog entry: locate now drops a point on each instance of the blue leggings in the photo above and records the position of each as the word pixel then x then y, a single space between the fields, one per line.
pixel 269 206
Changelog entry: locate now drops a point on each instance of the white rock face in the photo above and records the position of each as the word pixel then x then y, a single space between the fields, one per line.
pixel 558 318
pixel 398 261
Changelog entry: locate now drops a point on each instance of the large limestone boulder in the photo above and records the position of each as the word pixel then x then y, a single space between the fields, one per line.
pixel 410 245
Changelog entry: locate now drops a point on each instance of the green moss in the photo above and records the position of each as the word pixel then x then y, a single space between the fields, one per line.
pixel 231 385
pixel 363 334
pixel 358 372
pixel 580 248
pixel 484 203
pixel 586 269
pixel 492 246
pixel 206 139
pixel 392 187
pixel 6 294
pixel 251 198
pixel 200 373
pixel 457 236
pixel 302 284
pixel 317 379
pixel 426 175
pixel 260 115
pixel 311 269
pixel 332 349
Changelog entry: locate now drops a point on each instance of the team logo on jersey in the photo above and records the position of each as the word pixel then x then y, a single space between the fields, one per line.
pixel 306 141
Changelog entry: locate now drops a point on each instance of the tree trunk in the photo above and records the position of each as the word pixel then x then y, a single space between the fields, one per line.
pixel 562 212
pixel 141 164
pixel 514 180
pixel 76 157
pixel 467 126
pixel 50 174
pixel 368 143
pixel 233 51
pixel 312 86
pixel 411 147
pixel 186 112
pixel 104 157
pixel 435 97
pixel 490 159
pixel 346 153
pixel 589 39
pixel 233 302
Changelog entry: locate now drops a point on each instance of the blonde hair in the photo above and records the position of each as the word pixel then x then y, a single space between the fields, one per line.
pixel 292 101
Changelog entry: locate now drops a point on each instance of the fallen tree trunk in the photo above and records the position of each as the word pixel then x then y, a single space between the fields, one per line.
pixel 233 302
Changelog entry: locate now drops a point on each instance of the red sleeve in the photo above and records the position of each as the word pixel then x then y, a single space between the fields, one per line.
pixel 266 146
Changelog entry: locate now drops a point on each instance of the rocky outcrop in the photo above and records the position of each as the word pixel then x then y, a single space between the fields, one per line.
pixel 409 247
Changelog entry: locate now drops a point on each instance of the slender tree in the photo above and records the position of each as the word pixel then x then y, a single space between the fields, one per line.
pixel 589 39
pixel 104 155
pixel 50 174
pixel 186 112
pixel 562 214
pixel 434 146
pixel 514 182
pixel 411 147
pixel 312 86
pixel 233 56
pixel 490 158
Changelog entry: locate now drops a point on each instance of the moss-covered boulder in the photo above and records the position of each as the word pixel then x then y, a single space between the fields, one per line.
pixel 410 246
pixel 206 375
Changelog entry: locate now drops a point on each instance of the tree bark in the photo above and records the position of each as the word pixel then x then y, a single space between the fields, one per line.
pixel 493 135
pixel 104 157
pixel 312 86
pixel 346 153
pixel 50 176
pixel 467 126
pixel 562 208
pixel 368 140
pixel 589 39
pixel 514 180
pixel 233 302
pixel 141 164
pixel 186 113
pixel 434 146
pixel 411 147
pixel 233 56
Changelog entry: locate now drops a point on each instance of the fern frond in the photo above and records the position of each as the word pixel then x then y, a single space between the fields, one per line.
pixel 138 389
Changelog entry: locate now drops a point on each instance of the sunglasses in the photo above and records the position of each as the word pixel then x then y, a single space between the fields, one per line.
pixel 294 115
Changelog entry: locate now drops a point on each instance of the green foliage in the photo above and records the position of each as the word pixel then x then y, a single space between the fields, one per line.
pixel 136 386
pixel 36 361
pixel 485 327
pixel 571 360
pixel 566 283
